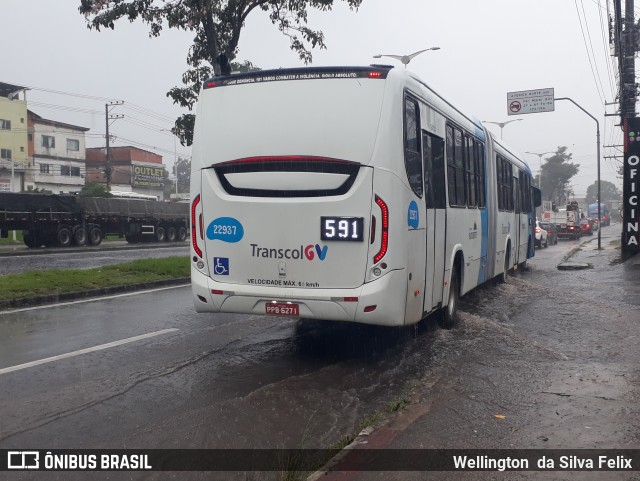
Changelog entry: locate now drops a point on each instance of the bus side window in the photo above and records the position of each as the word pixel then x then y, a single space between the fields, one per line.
pixel 472 200
pixel 434 177
pixel 412 154
pixel 480 184
pixel 456 167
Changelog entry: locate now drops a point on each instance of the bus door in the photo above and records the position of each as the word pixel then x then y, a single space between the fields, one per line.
pixel 523 216
pixel 435 203
pixel 517 257
pixel 415 225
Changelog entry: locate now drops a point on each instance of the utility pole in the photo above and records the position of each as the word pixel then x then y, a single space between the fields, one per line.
pixel 628 88
pixel 107 167
pixel 626 43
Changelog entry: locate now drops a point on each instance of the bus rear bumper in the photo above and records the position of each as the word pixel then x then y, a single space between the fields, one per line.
pixel 380 302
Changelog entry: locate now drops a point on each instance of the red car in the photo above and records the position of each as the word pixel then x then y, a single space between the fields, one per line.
pixel 586 227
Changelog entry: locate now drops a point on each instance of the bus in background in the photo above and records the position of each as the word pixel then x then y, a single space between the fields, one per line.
pixel 132 195
pixel 605 214
pixel 349 193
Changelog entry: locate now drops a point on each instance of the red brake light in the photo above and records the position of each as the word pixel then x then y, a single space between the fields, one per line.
pixel 385 230
pixel 194 239
pixel 375 74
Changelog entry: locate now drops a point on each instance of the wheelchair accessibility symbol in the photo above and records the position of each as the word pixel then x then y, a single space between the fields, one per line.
pixel 221 266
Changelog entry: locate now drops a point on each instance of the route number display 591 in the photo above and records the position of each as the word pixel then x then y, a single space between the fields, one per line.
pixel 341 228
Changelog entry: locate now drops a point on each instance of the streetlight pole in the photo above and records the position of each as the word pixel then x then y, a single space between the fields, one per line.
pixel 405 59
pixel 598 159
pixel 175 156
pixel 501 124
pixel 540 159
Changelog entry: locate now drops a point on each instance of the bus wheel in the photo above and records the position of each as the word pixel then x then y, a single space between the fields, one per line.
pixel 449 316
pixel 64 237
pixel 95 236
pixel 504 277
pixel 171 234
pixel 80 236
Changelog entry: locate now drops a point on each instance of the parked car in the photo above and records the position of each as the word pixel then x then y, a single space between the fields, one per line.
pixel 586 227
pixel 541 236
pixel 552 232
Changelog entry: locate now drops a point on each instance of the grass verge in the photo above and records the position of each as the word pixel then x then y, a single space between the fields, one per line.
pixel 58 281
pixel 8 241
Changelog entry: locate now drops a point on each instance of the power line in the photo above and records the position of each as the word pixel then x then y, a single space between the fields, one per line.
pixel 605 40
pixel 593 72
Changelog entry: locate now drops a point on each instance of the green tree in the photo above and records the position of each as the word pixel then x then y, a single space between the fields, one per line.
pixel 608 192
pixel 216 25
pixel 556 172
pixel 95 189
pixel 182 170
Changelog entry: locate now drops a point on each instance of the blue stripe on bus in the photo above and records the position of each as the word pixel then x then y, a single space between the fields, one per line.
pixel 484 235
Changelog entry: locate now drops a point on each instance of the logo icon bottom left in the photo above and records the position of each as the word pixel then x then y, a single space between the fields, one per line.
pixel 221 266
pixel 23 459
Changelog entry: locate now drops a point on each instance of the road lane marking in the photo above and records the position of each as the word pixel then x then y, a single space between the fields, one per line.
pixel 92 299
pixel 86 351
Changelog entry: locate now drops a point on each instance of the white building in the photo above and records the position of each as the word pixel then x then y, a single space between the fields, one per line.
pixel 57 160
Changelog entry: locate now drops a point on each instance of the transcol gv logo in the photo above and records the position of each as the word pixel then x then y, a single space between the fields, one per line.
pixel 309 252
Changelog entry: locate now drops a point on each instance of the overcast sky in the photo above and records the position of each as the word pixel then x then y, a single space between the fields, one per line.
pixel 487 48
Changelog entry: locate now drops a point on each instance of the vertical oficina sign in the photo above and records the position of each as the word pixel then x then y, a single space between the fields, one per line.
pixel 630 186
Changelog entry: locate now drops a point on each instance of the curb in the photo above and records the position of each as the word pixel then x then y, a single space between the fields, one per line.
pixel 75 295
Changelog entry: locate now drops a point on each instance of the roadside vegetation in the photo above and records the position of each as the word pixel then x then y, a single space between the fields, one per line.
pixel 58 281
pixel 7 241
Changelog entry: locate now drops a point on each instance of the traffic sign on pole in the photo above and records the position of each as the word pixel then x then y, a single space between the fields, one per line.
pixel 530 101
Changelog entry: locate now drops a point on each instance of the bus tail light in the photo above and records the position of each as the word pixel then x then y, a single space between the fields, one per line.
pixel 194 238
pixel 385 230
pixel 370 308
pixel 373 229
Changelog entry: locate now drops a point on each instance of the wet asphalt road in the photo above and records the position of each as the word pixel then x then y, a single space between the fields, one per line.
pixel 558 362
pixel 21 259
pixel 553 352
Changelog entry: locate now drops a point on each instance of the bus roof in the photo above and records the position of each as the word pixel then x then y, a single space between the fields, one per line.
pixel 300 73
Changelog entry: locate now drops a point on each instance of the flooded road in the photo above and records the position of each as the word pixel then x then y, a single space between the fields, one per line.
pixel 551 353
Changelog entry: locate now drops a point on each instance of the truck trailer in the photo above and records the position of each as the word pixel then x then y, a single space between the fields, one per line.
pixel 65 220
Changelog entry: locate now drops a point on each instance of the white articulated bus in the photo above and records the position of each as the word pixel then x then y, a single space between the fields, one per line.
pixel 348 193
